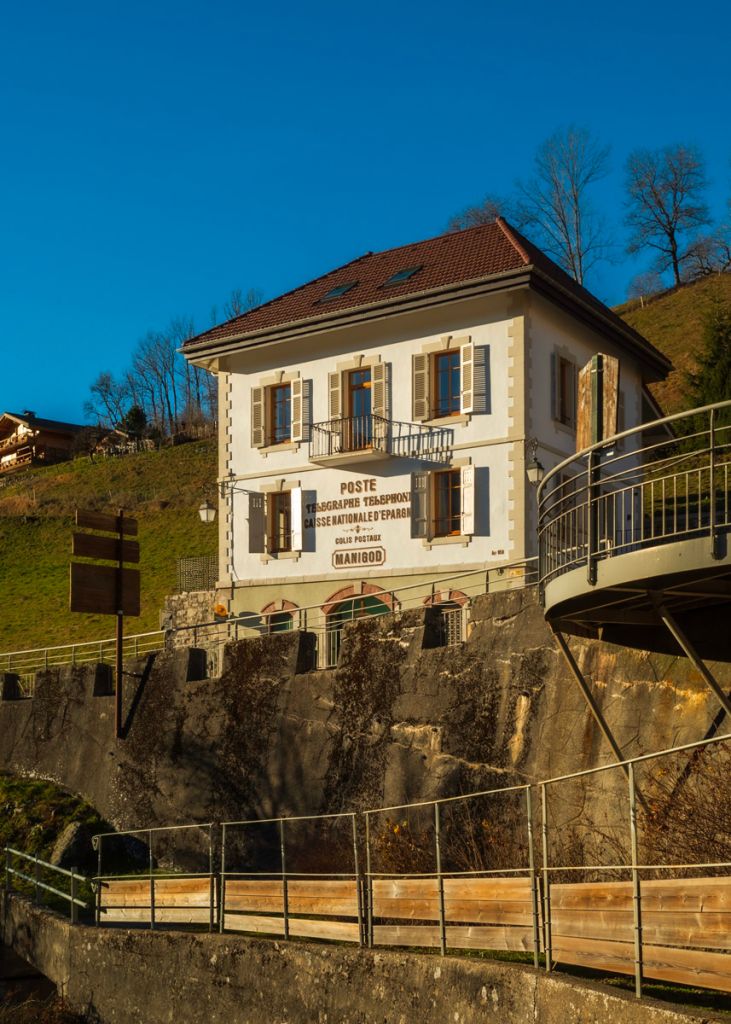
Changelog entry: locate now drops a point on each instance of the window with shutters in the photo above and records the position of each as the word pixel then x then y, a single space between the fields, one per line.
pixel 443 503
pixel 275 522
pixel 277 414
pixel 443 381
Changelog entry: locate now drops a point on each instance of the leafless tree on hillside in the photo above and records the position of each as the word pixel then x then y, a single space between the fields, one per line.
pixel 108 401
pixel 710 254
pixel 664 204
pixel 555 207
pixel 239 302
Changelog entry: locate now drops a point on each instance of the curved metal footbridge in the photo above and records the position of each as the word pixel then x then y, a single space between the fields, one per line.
pixel 634 542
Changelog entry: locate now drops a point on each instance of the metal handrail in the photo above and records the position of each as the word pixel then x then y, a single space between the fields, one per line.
pixel 603 501
pixel 72 897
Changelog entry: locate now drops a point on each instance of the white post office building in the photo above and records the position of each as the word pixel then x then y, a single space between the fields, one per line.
pixel 376 424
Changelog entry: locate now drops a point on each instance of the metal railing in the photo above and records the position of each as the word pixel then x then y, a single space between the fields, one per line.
pixel 516 867
pixel 625 495
pixel 35 879
pixel 309 618
pixel 374 434
pixel 26 663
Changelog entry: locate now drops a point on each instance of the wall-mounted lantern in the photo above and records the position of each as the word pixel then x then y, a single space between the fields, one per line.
pixel 207 512
pixel 534 469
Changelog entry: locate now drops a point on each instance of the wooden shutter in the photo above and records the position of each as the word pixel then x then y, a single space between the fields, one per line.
pixel 297 401
pixel 257 523
pixel 610 382
pixel 420 525
pixel 379 390
pixel 467 375
pixel 258 417
pixel 467 483
pixel 295 511
pixel 572 386
pixel 420 388
pixel 335 404
pixel 584 424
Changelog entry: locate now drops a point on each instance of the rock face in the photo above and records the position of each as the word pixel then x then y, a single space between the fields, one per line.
pixel 73 848
pixel 397 721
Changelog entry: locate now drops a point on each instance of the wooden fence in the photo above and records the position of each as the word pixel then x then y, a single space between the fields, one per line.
pixel 684 923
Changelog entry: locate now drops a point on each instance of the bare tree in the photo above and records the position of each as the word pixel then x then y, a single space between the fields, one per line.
pixel 645 285
pixel 109 400
pixel 486 212
pixel 664 204
pixel 554 204
pixel 709 254
pixel 239 303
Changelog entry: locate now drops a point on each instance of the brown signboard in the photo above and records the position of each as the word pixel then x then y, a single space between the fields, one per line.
pixel 94 589
pixel 108 523
pixel 89 545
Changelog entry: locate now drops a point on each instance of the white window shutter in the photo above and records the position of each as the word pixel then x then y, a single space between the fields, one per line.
pixel 297 408
pixel 420 505
pixel 296 510
pixel 257 417
pixel 379 392
pixel 257 523
pixel 335 405
pixel 420 386
pixel 467 483
pixel 467 376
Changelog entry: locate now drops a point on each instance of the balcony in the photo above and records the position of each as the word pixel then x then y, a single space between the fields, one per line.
pixel 642 518
pixel 356 439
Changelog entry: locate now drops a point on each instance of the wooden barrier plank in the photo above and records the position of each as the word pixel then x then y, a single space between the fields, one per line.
pixel 682 966
pixel 675 894
pixel 342 931
pixel 498 889
pixel 295 887
pixel 163 915
pixel 513 939
pixel 476 911
pixel 317 905
pixel 677 928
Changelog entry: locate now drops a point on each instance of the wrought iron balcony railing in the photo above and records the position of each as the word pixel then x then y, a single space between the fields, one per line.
pixel 362 437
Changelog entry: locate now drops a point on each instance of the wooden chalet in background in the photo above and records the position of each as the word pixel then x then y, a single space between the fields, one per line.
pixel 27 440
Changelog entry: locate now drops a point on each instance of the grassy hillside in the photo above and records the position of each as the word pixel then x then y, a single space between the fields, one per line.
pixel 162 489
pixel 673 322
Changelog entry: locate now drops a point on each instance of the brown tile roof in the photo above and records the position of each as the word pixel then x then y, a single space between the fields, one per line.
pixel 459 257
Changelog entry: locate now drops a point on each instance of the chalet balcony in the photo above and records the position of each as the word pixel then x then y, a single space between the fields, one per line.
pixel 355 439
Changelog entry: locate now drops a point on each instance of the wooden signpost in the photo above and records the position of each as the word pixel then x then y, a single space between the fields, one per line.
pixel 107 589
pixel 598 401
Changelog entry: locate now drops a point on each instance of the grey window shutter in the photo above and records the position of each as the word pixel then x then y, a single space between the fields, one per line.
pixel 420 505
pixel 467 375
pixel 296 398
pixel 420 386
pixel 572 396
pixel 257 523
pixel 379 393
pixel 555 403
pixel 257 417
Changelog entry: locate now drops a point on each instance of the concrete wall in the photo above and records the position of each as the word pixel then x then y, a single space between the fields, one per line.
pixel 396 722
pixel 133 977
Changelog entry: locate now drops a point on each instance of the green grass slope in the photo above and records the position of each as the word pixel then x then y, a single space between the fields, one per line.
pixel 163 489
pixel 673 322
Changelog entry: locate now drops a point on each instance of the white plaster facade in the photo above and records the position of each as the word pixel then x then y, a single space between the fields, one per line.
pixel 363 503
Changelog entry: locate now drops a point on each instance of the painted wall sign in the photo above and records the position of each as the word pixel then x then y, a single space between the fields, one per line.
pixel 348 558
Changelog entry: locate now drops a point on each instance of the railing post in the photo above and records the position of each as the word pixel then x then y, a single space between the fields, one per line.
pixel 222 890
pixel 73 654
pixel 358 880
pixel 440 881
pixel 369 882
pixel 98 901
pixel 715 552
pixel 152 884
pixel 8 876
pixel 591 517
pixel 285 895
pixel 546 884
pixel 211 880
pixel 533 879
pixel 36 873
pixel 636 893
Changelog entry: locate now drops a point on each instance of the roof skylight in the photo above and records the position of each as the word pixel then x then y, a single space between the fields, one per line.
pixel 336 292
pixel 402 275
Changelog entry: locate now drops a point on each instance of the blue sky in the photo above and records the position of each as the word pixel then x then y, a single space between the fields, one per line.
pixel 157 155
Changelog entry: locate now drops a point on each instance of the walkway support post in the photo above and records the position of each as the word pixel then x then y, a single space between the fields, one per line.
pixel 690 652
